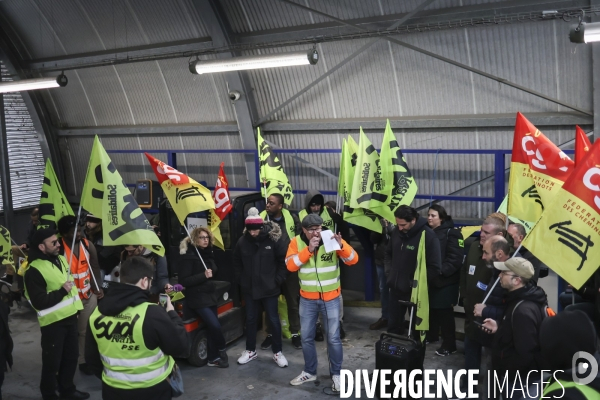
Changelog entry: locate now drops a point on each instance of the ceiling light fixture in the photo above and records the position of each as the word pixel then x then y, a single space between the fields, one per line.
pixel 255 62
pixel 32 84
pixel 584 32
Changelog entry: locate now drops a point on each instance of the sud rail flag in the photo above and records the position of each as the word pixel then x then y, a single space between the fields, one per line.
pixel 570 225
pixel 420 294
pixel 185 194
pixel 222 207
pixel 106 196
pixel 53 202
pixel 356 216
pixel 538 168
pixel 582 144
pixel 6 255
pixel 272 173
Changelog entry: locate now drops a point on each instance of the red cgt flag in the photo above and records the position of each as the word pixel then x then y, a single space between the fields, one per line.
pixel 221 195
pixel 582 144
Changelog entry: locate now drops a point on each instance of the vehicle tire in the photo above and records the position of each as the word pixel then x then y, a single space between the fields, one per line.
pixel 199 352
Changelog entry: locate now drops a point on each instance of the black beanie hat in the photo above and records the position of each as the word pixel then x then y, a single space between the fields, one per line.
pixel 564 335
pixel 40 235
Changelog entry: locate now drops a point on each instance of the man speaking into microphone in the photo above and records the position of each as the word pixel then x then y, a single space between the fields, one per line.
pixel 319 276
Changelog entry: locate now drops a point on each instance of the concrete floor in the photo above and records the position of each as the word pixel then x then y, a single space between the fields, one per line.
pixel 259 379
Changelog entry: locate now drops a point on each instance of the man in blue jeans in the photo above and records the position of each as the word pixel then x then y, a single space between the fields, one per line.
pixel 320 289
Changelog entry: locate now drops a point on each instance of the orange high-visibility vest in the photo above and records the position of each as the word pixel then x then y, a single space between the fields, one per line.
pixel 80 269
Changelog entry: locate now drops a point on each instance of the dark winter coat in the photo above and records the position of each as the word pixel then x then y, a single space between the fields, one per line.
pixel 259 263
pixel 199 291
pixel 314 196
pixel 517 341
pixel 380 240
pixel 6 342
pixel 494 309
pixel 475 276
pixel 284 232
pixel 401 257
pixel 161 329
pixel 443 292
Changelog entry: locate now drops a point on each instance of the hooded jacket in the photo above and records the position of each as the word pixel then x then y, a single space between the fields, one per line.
pixel 160 329
pixel 259 263
pixel 517 340
pixel 451 249
pixel 314 196
pixel 199 290
pixel 401 257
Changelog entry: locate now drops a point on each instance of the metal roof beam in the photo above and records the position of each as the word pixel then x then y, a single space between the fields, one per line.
pixel 215 127
pixel 426 16
pixel 122 54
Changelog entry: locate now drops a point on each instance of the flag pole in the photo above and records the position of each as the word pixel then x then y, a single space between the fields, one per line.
pixel 265 187
pixel 194 244
pixel 20 249
pixel 73 243
pixel 497 280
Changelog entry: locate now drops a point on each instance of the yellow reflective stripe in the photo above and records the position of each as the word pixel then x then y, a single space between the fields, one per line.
pixel 350 257
pixel 137 377
pixel 320 270
pixel 296 260
pixel 65 303
pixel 82 275
pixel 126 362
pixel 321 283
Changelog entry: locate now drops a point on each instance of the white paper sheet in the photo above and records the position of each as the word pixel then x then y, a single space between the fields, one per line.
pixel 329 241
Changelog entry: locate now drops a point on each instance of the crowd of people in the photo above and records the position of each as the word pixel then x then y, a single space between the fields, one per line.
pixel 98 315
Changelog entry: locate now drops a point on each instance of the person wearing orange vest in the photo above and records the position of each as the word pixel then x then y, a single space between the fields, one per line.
pixel 85 272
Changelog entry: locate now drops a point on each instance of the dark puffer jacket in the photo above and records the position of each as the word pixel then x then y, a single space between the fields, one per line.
pixel 314 196
pixel 451 248
pixel 199 290
pixel 517 341
pixel 401 257
pixel 259 263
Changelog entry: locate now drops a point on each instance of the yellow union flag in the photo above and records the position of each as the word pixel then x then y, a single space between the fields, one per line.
pixel 6 255
pixel 106 196
pixel 538 168
pixel 271 172
pixel 567 236
pixel 53 202
pixel 185 194
pixel 420 295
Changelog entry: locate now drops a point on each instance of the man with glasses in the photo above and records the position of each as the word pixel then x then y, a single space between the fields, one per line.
pixel 54 297
pixel 516 346
pixel 160 281
pixel 319 277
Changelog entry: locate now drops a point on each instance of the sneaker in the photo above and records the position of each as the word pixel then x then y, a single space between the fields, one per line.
pixel 443 352
pixel 342 332
pixel 247 356
pixel 219 363
pixel 381 323
pixel 267 342
pixel 280 360
pixel 319 333
pixel 335 387
pixel 223 356
pixel 297 341
pixel 302 378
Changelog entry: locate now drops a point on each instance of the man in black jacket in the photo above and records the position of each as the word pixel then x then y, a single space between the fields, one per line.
pixel 259 265
pixel 401 261
pixel 516 348
pixel 114 335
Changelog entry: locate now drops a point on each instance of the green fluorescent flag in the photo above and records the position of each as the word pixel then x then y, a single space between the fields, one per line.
pixel 399 182
pixel 420 295
pixel 272 172
pixel 53 202
pixel 356 216
pixel 6 255
pixel 106 196
pixel 367 179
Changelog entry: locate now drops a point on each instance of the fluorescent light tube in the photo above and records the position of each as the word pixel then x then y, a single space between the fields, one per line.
pixel 255 62
pixel 585 32
pixel 31 84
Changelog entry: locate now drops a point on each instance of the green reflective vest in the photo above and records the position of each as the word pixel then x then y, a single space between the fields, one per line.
pixel 586 391
pixel 320 273
pixel 55 278
pixel 128 363
pixel 327 220
pixel 290 225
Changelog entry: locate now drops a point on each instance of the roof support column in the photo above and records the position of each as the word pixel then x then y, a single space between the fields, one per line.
pixel 7 205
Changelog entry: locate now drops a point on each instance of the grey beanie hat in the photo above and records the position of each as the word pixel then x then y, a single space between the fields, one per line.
pixel 311 220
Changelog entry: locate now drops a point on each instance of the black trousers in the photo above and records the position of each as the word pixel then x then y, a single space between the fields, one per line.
pixel 442 318
pixel 60 352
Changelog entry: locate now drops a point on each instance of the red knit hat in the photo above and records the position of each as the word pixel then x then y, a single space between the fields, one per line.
pixel 253 220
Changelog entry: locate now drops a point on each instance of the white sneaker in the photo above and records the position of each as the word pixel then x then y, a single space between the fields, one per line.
pixel 280 360
pixel 247 356
pixel 336 383
pixel 303 377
